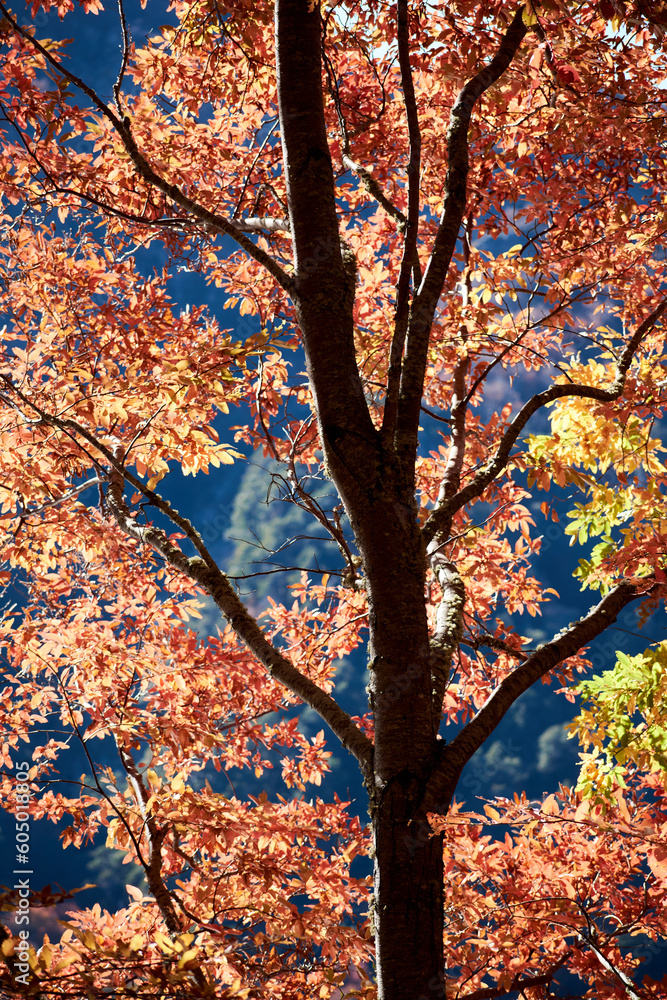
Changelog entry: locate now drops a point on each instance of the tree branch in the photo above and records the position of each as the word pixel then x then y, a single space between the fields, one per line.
pixel 261 223
pixel 204 570
pixel 451 479
pixel 439 523
pixel 25 512
pixel 411 229
pixel 154 835
pixel 153 867
pixel 375 191
pixel 325 268
pixel 123 129
pixel 456 755
pixel 490 642
pixel 365 176
pixel 124 58
pixel 629 987
pixel 261 149
pixel 449 616
pixel 426 299
pixel 518 983
pixel 448 626
pixel 414 162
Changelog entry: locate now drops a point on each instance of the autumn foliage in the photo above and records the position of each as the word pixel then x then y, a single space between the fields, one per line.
pixel 489 316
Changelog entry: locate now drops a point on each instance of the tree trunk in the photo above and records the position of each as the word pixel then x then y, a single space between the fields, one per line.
pixel 379 499
pixel 408 898
pixel 408 879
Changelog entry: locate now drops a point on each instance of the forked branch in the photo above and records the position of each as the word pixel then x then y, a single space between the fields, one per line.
pixel 152 865
pixel 203 570
pixel 457 754
pixel 372 185
pixel 439 523
pixel 455 196
pixel 365 176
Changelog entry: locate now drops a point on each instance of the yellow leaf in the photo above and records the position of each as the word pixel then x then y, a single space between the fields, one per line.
pixel 45 956
pixel 187 956
pixel 64 963
pixel 529 16
pixel 164 943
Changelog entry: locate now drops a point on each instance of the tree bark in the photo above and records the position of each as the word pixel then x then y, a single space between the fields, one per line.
pixel 408 898
pixel 408 888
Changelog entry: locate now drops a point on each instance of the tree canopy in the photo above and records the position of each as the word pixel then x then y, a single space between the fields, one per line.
pixel 439 233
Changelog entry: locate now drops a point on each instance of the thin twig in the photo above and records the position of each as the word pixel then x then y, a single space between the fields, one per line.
pixel 123 64
pixel 252 166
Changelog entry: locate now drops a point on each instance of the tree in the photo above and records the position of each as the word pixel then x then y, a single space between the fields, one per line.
pixel 432 204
